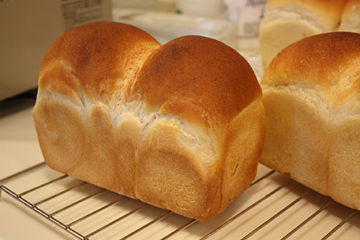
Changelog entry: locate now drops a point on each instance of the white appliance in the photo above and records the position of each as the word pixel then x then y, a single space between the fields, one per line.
pixel 28 28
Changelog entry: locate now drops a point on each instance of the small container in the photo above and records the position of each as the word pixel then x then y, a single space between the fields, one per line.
pixel 246 14
pixel 201 8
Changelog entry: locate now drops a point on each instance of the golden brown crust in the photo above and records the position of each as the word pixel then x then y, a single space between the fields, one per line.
pixel 98 56
pixel 189 70
pixel 311 95
pixel 327 62
pixel 80 81
pixel 184 78
pixel 160 124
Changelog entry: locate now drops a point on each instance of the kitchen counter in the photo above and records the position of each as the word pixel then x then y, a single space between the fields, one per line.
pixel 19 146
pixel 19 149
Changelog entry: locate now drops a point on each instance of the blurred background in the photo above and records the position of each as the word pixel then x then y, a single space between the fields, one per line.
pixel 29 27
pixel 257 29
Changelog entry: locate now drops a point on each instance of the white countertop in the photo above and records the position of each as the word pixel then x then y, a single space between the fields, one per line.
pixel 19 149
pixel 19 146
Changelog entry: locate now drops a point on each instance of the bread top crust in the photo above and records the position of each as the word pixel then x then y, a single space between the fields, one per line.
pixel 328 63
pixel 326 13
pixel 95 60
pixel 103 61
pixel 198 79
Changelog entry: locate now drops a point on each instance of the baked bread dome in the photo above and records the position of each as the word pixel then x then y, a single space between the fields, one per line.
pixel 179 126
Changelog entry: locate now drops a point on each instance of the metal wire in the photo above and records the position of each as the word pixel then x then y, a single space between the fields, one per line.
pixel 339 225
pixel 307 220
pixel 147 225
pixel 191 222
pixel 115 221
pixel 22 172
pixel 69 227
pixel 276 215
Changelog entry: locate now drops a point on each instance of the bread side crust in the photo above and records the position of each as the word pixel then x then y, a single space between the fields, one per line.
pixel 53 116
pixel 344 167
pixel 311 145
pixel 297 137
pixel 243 147
pixel 170 173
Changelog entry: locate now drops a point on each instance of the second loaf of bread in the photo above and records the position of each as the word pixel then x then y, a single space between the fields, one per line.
pixel 311 99
pixel 179 126
pixel 287 21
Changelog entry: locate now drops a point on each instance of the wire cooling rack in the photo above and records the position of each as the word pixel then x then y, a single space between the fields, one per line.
pixel 274 207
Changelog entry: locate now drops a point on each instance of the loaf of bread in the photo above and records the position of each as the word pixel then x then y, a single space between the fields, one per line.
pixel 350 19
pixel 311 95
pixel 179 126
pixel 287 21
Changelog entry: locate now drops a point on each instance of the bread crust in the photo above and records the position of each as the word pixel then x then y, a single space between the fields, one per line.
pixel 311 99
pixel 155 123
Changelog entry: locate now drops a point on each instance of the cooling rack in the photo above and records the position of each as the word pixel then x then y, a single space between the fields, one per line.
pixel 274 207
